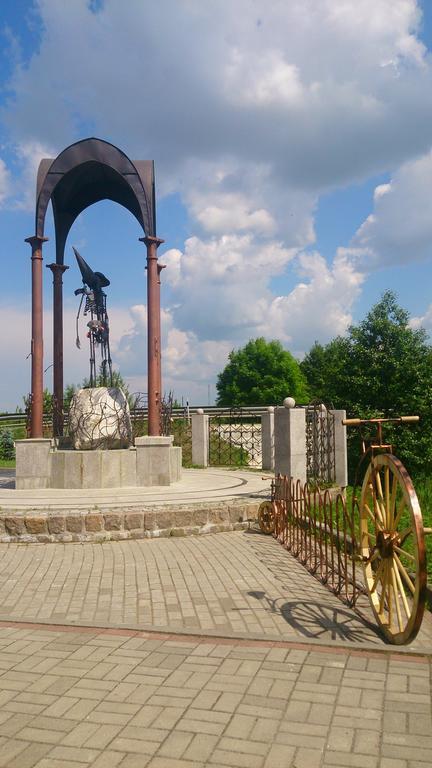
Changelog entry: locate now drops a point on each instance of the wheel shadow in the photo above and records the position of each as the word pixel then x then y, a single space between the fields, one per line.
pixel 321 621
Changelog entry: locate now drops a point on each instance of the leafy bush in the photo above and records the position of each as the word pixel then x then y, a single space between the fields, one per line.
pixel 7 447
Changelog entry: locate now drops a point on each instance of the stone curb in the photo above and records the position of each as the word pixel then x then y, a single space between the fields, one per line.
pixel 311 644
pixel 99 524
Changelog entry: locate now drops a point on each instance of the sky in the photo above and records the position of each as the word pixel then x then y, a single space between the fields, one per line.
pixel 292 143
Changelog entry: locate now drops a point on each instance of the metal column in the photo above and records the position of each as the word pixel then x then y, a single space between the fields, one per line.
pixel 57 271
pixel 153 335
pixel 36 428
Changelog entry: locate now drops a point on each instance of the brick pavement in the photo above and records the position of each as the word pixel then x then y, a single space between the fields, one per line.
pixel 125 699
pixel 233 584
pixel 239 583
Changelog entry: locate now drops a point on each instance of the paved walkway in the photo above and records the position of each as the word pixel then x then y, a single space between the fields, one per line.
pixel 250 661
pixel 72 698
pixel 234 584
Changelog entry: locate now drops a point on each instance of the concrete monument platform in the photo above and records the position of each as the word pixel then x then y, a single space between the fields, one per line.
pixel 203 501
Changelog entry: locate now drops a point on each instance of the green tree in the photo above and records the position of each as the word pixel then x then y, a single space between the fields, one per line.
pixel 261 373
pixel 383 367
pixel 7 445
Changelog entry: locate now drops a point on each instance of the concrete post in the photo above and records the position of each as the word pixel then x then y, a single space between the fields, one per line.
pixel 33 463
pixel 267 439
pixel 290 441
pixel 200 438
pixel 341 453
pixel 153 456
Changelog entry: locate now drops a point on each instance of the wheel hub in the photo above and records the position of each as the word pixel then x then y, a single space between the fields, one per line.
pixel 386 541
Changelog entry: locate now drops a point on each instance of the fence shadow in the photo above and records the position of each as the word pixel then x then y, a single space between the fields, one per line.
pixel 320 620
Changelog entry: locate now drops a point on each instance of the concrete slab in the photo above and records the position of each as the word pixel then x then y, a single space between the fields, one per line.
pixel 195 485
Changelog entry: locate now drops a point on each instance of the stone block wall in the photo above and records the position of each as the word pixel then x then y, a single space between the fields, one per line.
pixel 104 523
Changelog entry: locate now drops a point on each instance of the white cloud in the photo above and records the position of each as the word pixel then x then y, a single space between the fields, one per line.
pixel 4 182
pixel 251 110
pixel 272 83
pixel 399 231
pixel 318 308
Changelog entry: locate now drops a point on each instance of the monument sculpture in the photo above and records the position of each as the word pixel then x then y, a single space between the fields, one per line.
pixel 99 414
pixel 84 173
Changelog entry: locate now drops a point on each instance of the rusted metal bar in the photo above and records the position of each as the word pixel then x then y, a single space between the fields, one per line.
pixel 153 336
pixel 57 272
pixel 36 417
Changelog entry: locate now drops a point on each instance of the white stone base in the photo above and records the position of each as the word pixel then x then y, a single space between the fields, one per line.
pixel 154 461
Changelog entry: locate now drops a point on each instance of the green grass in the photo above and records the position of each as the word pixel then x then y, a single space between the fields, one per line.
pixel 8 463
pixel 423 488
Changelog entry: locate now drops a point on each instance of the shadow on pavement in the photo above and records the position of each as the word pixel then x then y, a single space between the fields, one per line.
pixel 320 621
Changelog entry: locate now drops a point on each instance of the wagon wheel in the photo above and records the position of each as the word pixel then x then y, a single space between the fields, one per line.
pixel 392 548
pixel 266 517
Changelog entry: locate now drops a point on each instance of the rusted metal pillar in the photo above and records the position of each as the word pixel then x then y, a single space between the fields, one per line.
pixel 153 335
pixel 57 271
pixel 36 423
pixel 160 267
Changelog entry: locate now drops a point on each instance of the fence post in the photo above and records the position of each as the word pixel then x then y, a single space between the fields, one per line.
pixel 267 439
pixel 341 460
pixel 200 438
pixel 290 440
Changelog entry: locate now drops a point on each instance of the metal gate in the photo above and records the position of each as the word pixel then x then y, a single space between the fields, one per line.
pixel 235 438
pixel 320 444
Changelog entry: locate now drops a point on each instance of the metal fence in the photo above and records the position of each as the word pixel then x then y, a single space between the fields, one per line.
pixel 235 438
pixel 318 528
pixel 320 444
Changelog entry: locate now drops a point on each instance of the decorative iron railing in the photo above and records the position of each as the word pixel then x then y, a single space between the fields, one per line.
pixel 318 528
pixel 235 438
pixel 320 444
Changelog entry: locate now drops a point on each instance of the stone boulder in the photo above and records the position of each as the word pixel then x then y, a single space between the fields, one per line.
pixel 99 417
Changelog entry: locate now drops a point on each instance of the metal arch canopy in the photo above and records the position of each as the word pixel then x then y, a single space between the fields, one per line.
pixel 85 173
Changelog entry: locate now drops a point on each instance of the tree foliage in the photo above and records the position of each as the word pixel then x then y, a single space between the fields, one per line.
pixel 383 367
pixel 261 373
pixel 7 445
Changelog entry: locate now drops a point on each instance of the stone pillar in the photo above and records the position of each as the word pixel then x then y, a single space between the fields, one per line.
pixel 267 439
pixel 290 441
pixel 57 271
pixel 36 425
pixel 341 453
pixel 200 438
pixel 153 335
pixel 33 463
pixel 153 457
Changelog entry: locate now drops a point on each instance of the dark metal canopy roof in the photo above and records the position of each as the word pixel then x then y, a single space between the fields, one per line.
pixel 89 171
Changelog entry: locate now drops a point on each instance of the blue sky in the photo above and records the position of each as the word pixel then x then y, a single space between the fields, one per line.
pixel 292 143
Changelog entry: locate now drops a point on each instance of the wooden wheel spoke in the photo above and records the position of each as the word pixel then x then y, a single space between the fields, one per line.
pixel 389 595
pixel 377 575
pixel 402 592
pixel 373 517
pixel 395 592
pixel 387 495
pixel 407 579
pixel 379 485
pixel 401 507
pixel 404 535
pixel 384 587
pixel 403 552
pixel 393 499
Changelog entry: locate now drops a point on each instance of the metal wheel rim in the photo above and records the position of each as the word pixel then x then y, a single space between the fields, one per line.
pixel 266 517
pixel 395 576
